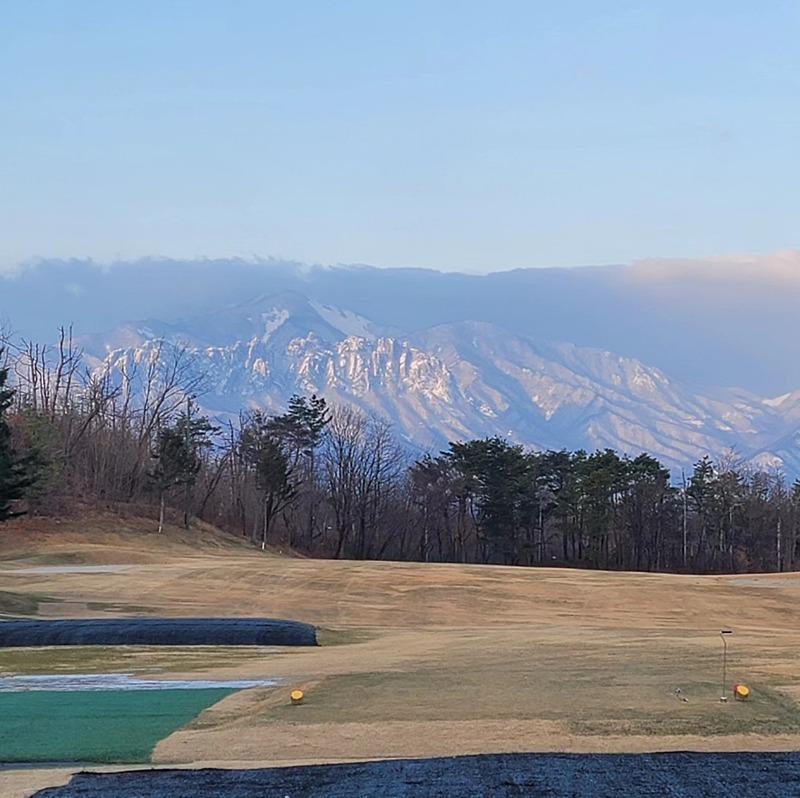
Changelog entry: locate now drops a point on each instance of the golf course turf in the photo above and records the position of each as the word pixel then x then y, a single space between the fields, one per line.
pixel 97 726
pixel 429 661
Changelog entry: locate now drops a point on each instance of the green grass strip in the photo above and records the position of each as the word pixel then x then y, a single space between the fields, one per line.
pixel 22 603
pixel 102 726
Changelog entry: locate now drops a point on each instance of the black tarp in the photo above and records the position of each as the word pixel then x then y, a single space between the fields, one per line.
pixel 678 775
pixel 158 632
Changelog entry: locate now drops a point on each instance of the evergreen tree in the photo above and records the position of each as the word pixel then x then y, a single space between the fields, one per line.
pixel 265 454
pixel 299 433
pixel 504 483
pixel 16 473
pixel 177 458
pixel 305 421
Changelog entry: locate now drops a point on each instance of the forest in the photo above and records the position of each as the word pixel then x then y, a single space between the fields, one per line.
pixel 336 482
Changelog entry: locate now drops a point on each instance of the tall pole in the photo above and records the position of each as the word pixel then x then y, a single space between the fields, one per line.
pixel 722 634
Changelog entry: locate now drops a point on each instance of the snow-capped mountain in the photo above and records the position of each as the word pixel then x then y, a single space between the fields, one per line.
pixel 716 321
pixel 458 381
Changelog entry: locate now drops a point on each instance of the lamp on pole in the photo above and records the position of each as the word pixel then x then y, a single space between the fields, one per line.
pixel 722 634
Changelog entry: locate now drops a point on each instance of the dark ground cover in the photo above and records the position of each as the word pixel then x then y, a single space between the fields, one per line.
pixel 158 632
pixel 678 775
pixel 99 726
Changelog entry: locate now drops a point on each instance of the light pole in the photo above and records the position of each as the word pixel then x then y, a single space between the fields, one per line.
pixel 722 634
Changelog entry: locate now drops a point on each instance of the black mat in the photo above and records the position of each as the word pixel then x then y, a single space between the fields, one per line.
pixel 676 775
pixel 158 632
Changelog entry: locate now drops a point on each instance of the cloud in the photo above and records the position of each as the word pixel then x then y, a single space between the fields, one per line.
pixel 781 268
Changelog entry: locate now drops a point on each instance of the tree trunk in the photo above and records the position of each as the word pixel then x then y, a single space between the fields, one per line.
pixel 161 513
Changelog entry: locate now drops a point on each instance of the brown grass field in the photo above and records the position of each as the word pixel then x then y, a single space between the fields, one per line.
pixel 420 660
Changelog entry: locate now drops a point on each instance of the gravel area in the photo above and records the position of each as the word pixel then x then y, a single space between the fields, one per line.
pixel 157 632
pixel 678 775
pixel 94 682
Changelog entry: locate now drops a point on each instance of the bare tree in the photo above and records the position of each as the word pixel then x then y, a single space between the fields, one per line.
pixel 362 464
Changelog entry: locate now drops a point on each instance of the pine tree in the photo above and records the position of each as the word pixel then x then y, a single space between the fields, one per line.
pixel 300 432
pixel 503 479
pixel 265 454
pixel 16 473
pixel 177 458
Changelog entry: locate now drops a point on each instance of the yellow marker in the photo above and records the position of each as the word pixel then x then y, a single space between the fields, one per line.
pixel 741 692
pixel 297 696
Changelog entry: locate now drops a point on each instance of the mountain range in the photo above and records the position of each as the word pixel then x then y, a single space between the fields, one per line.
pixel 458 380
pixel 723 321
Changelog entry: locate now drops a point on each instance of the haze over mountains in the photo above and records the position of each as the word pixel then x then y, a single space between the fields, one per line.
pixel 677 358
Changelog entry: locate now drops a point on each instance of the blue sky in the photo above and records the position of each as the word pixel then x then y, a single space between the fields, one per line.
pixel 452 135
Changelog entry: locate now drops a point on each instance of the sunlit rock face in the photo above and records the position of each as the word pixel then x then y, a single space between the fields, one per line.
pixel 453 382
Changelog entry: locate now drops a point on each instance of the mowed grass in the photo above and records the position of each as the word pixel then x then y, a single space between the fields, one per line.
pixel 101 726
pixel 632 693
pixel 22 603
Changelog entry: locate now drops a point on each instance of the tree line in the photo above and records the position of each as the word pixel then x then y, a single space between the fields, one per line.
pixel 336 482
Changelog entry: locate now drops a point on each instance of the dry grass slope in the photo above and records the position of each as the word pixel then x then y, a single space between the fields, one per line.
pixel 429 660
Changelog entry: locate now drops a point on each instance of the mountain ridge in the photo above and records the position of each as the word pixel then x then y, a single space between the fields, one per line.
pixel 716 321
pixel 457 381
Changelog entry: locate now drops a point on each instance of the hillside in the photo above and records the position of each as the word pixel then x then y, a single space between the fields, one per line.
pixel 91 537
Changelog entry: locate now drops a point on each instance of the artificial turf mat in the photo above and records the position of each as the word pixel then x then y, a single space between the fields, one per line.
pixel 98 726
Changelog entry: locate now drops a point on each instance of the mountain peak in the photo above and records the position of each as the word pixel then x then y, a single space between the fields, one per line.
pixel 460 380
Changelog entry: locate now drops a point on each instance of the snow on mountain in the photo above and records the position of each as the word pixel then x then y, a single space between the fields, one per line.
pixel 345 321
pixel 458 381
pixel 718 321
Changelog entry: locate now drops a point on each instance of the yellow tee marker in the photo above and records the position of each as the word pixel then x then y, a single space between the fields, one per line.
pixel 297 696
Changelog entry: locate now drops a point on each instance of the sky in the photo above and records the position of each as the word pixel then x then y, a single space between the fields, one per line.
pixel 454 135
